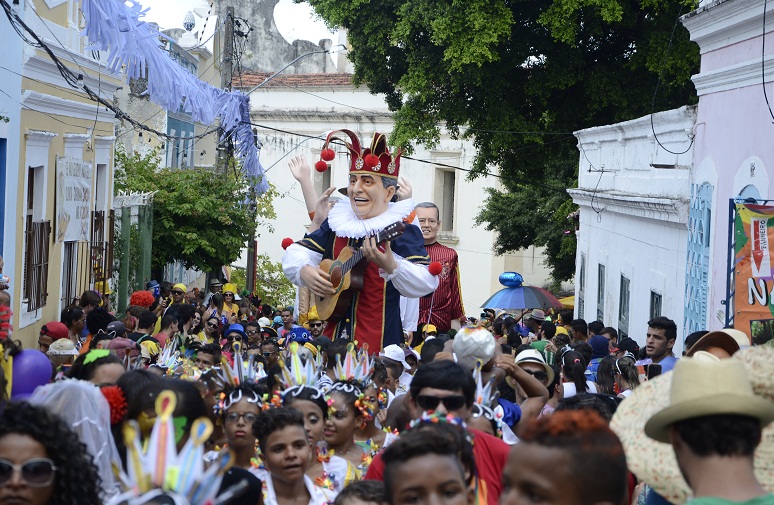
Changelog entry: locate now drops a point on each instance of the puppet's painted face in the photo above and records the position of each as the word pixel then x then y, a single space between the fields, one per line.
pixel 368 196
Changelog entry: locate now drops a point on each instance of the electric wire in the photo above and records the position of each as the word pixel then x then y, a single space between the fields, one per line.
pixel 418 160
pixel 658 83
pixel 77 81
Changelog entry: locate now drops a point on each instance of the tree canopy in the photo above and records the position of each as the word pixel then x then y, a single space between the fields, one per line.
pixel 518 77
pixel 201 217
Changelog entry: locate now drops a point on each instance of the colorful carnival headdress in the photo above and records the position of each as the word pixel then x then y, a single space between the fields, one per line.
pixel 169 358
pixel 353 370
pixel 299 374
pixel 373 160
pixel 160 470
pixel 240 381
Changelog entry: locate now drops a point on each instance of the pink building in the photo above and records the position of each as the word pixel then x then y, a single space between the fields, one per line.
pixel 734 138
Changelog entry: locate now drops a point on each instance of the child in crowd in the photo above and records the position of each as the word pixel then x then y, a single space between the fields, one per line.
pixel 425 466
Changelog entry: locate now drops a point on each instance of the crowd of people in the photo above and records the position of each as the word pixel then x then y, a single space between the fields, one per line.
pixel 516 409
pixel 392 396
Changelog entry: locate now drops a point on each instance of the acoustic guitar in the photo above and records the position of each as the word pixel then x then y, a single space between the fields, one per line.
pixel 346 272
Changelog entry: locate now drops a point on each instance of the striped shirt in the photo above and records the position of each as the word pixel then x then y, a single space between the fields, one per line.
pixel 446 301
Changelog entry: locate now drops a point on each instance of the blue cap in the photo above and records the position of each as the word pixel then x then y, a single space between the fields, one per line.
pixel 299 334
pixel 277 320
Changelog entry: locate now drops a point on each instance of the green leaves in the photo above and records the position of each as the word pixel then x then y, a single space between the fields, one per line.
pixel 201 217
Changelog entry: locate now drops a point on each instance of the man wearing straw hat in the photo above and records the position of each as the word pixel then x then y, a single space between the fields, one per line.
pixel 714 423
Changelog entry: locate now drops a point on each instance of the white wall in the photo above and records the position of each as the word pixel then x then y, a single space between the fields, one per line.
pixel 11 131
pixel 633 198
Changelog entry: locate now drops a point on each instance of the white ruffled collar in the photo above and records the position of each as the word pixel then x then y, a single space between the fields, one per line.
pixel 345 223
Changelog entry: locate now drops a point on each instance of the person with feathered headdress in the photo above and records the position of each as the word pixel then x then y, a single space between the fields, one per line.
pixel 347 408
pixel 163 470
pixel 239 405
pixel 299 378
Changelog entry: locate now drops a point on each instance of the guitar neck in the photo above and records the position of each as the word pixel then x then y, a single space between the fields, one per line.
pixel 352 261
pixel 391 232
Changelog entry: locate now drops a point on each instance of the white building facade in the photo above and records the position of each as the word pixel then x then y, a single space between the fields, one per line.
pixel 634 221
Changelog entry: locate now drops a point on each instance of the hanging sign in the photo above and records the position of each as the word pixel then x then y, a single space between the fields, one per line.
pixel 73 200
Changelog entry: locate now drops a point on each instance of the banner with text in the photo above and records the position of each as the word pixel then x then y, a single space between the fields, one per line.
pixel 753 237
pixel 73 200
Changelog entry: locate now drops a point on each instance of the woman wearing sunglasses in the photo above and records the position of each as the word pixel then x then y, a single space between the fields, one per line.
pixel 42 462
pixel 230 307
pixel 211 327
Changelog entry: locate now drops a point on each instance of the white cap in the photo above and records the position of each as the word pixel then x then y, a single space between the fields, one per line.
pixel 62 347
pixel 395 353
pixel 473 343
pixel 264 321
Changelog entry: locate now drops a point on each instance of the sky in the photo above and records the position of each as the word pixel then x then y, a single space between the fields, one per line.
pixel 293 20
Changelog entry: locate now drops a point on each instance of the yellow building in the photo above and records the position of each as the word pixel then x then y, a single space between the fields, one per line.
pixel 59 195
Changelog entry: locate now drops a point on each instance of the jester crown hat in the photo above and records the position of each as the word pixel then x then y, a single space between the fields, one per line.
pixel 354 368
pixel 157 469
pixel 299 373
pixel 373 160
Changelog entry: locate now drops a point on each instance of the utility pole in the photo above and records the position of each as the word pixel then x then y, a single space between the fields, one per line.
pixel 226 71
pixel 227 61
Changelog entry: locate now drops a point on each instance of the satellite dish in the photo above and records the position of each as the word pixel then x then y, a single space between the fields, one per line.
pixel 189 21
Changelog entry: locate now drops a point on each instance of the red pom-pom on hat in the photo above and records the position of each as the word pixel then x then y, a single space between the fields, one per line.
pixel 435 268
pixel 321 166
pixel 371 160
pixel 328 154
pixel 286 242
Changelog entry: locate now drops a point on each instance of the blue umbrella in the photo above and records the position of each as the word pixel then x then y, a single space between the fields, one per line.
pixel 517 296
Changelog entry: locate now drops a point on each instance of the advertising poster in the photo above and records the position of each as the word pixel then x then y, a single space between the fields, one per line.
pixel 753 307
pixel 73 200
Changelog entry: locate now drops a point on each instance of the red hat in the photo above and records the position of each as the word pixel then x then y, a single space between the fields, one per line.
pixel 55 330
pixel 373 160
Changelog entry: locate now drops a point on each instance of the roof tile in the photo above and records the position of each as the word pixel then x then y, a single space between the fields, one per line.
pixel 252 79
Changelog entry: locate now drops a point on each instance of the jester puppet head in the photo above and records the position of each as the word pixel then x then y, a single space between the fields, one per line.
pixel 373 172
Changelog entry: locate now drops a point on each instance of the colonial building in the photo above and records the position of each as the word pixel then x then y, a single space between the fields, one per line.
pixel 56 171
pixel 291 113
pixel 654 232
pixel 634 211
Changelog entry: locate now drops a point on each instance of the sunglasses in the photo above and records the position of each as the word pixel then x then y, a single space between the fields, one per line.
pixel 177 292
pixel 251 332
pixel 36 472
pixel 268 354
pixel 212 325
pixel 541 376
pixel 228 294
pixel 428 402
pixel 233 417
pixel 315 325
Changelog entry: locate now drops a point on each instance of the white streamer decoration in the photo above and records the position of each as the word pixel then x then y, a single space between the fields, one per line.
pixel 116 27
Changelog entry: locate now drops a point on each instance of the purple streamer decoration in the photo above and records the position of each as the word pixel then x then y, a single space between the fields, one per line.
pixel 132 44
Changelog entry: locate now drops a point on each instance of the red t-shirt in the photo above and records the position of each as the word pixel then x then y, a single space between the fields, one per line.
pixel 491 454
